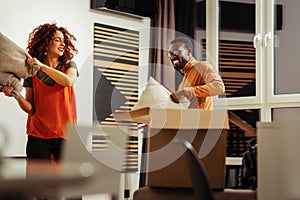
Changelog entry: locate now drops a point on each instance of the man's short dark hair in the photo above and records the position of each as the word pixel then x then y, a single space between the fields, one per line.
pixel 187 42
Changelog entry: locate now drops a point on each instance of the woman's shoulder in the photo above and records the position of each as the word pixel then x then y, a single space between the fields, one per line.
pixel 70 63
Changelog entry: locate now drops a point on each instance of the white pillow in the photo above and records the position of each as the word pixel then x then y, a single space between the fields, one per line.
pixel 156 95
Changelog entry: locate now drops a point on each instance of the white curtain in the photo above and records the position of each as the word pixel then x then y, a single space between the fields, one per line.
pixel 163 31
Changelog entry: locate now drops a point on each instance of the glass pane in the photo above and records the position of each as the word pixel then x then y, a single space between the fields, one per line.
pixel 242 128
pixel 285 113
pixel 236 51
pixel 241 138
pixel 286 44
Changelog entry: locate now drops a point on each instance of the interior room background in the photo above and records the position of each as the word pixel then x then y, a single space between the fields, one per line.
pixel 277 77
pixel 79 19
pixel 275 89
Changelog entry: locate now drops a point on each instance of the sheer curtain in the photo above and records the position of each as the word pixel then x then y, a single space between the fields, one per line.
pixel 163 31
pixel 184 24
pixel 173 18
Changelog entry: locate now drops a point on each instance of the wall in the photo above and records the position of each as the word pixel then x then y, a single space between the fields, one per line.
pixel 19 18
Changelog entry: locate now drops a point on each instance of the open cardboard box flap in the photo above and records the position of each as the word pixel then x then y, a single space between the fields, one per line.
pixel 177 118
pixel 139 116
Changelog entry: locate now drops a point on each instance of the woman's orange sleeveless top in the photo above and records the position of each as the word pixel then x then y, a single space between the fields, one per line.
pixel 55 107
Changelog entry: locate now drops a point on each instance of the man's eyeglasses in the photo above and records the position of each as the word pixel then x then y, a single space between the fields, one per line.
pixel 175 52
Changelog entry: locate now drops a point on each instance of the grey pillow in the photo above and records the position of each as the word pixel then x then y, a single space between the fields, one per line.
pixel 13 65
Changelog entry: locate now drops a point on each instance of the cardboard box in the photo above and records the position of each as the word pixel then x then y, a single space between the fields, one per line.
pixel 164 165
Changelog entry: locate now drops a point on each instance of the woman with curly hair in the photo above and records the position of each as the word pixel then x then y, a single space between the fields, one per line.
pixel 49 95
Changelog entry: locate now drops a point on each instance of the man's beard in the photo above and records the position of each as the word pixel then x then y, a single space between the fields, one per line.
pixel 180 66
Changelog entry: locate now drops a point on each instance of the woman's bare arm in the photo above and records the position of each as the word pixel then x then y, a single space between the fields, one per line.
pixel 27 104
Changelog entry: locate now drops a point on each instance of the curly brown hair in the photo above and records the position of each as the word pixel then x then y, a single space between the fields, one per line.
pixel 41 36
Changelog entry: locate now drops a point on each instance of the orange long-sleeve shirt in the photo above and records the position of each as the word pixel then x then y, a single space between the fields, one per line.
pixel 203 82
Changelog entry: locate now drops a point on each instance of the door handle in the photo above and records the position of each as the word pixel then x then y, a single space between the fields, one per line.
pixel 255 39
pixel 268 37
